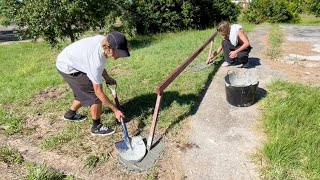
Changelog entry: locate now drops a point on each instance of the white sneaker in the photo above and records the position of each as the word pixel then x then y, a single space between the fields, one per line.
pixel 225 64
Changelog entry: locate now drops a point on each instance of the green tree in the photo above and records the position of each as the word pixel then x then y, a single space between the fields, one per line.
pixel 153 16
pixel 54 19
pixel 274 11
pixel 314 6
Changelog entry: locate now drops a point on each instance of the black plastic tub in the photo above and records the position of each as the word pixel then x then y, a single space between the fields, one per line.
pixel 240 89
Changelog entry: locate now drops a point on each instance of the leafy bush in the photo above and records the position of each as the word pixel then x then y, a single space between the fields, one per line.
pixel 53 19
pixel 148 17
pixel 274 11
pixel 315 7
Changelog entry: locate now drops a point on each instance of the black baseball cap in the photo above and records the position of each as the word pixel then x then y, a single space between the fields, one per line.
pixel 118 43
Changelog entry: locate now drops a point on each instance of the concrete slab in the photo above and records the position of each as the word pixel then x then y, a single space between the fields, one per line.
pixel 149 160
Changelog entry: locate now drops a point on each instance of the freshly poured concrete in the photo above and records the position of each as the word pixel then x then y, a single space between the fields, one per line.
pixel 150 158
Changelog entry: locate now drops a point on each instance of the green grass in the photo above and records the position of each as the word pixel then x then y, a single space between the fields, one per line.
pixel 10 156
pixel 30 69
pixel 152 174
pixel 9 121
pixel 73 131
pixel 26 69
pixel 248 27
pixel 43 172
pixel 275 40
pixel 91 161
pixel 291 120
pixel 309 20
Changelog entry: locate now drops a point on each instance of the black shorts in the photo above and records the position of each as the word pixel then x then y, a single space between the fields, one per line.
pixel 81 86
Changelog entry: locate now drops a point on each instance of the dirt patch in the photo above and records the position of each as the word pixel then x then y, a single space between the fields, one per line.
pixel 305 72
pixel 71 157
pixel 12 172
pixel 298 47
pixel 39 126
pixel 107 167
pixel 53 93
pixel 299 73
pixel 169 166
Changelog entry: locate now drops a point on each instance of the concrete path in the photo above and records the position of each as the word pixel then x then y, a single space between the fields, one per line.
pixel 227 135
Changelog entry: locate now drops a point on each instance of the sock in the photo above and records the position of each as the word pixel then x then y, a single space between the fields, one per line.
pixel 96 122
pixel 70 113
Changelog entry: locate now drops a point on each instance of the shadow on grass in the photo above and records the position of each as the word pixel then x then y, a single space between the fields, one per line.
pixel 199 98
pixel 143 106
pixel 140 42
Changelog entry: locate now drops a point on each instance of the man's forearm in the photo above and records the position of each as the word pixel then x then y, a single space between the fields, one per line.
pixel 103 98
pixel 105 101
pixel 241 48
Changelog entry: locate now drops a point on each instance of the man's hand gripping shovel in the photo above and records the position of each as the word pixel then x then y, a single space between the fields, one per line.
pixel 130 149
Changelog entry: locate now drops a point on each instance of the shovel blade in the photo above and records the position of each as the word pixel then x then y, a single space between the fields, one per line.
pixel 136 153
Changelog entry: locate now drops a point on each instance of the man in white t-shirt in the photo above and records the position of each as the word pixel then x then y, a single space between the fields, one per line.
pixel 236 46
pixel 82 65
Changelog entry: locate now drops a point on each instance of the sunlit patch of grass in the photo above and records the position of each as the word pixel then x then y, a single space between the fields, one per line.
pixel 73 131
pixel 152 175
pixel 309 20
pixel 10 156
pixel 91 161
pixel 291 120
pixel 43 172
pixel 275 42
pixel 10 122
pixel 153 58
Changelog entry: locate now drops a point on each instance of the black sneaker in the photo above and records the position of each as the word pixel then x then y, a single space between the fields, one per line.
pixel 245 65
pixel 101 130
pixel 75 118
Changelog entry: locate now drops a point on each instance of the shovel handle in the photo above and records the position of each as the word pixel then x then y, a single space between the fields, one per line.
pixel 125 132
pixel 113 89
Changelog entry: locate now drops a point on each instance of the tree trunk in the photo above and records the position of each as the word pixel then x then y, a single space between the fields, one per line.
pixel 72 37
pixel 70 33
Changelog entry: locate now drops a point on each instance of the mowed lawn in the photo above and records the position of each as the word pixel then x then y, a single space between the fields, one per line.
pixel 29 68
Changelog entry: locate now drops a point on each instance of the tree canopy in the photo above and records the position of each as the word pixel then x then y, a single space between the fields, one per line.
pixel 280 11
pixel 58 19
pixel 53 19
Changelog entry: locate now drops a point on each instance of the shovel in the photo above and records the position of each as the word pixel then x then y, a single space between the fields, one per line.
pixel 130 149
